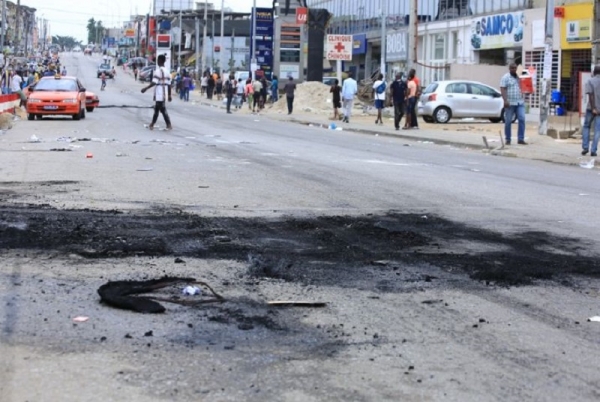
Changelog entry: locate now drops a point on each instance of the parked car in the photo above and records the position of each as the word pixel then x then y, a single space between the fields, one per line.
pixel 91 101
pixel 328 80
pixel 445 100
pixel 145 74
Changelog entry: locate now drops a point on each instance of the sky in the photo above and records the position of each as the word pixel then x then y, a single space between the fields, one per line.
pixel 69 17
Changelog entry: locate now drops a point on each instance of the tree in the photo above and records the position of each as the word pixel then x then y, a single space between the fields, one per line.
pixel 91 28
pixel 65 42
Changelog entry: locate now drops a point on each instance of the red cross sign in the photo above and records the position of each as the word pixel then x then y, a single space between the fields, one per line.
pixel 339 47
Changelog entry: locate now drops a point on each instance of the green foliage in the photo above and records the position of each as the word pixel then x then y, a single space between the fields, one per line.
pixel 95 30
pixel 65 41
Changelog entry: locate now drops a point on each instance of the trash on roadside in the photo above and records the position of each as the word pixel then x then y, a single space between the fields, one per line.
pixel 191 290
pixel 424 217
pixel 66 139
pixel 296 303
pixel 146 169
pixel 80 318
pixel 34 138
pixel 123 294
pixel 332 126
pixel 203 187
pixel 595 318
pixel 587 165
pixel 119 154
pixel 89 155
pixel 60 150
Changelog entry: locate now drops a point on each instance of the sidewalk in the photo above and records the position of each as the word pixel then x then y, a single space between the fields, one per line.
pixel 465 134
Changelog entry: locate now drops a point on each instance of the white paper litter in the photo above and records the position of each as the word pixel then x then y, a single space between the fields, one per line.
pixel 192 290
pixel 595 318
pixel 587 165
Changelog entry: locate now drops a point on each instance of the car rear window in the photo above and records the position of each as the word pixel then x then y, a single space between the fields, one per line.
pixel 431 88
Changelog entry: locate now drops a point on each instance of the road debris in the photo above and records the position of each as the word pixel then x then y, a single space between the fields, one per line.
pixel 595 318
pixel 89 155
pixel 587 165
pixel 34 138
pixel 296 303
pixel 60 150
pixel 119 294
pixel 191 291
pixel 80 319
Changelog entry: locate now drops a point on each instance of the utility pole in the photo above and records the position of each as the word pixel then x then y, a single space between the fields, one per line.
pixel 253 62
pixel 17 41
pixel 596 37
pixel 3 26
pixel 232 58
pixel 383 36
pixel 179 42
pixel 204 37
pixel 413 34
pixel 222 41
pixel 547 75
pixel 212 42
pixel 197 21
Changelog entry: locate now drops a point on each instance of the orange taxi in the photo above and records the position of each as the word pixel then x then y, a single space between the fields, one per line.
pixel 56 96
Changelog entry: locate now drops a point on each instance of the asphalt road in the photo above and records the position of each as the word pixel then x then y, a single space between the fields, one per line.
pixel 355 220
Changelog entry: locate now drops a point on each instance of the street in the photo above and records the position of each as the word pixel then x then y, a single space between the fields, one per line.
pixel 447 274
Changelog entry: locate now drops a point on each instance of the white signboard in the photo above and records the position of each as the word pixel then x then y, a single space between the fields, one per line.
pixel 498 31
pixel 339 47
pixel 396 46
pixel 538 34
pixel 289 70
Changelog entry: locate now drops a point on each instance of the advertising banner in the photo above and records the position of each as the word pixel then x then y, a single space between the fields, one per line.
pixel 497 31
pixel 339 47
pixel 579 30
pixel 397 46
pixel 264 40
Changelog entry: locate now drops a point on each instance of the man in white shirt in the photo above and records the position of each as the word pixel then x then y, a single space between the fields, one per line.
pixel 349 90
pixel 161 80
pixel 379 94
pixel 15 86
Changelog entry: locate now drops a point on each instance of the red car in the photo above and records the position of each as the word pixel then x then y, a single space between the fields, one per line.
pixel 91 101
pixel 56 96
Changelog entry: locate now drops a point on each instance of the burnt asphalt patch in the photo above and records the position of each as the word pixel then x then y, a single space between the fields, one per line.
pixel 324 250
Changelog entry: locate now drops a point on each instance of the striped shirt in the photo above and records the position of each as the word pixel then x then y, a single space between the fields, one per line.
pixel 514 96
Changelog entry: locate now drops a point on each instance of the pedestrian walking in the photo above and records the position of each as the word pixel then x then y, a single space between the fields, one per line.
pixel 135 72
pixel 514 103
pixel 161 81
pixel 379 87
pixel 349 90
pixel 256 95
pixel 274 89
pixel 219 88
pixel 414 123
pixel 103 81
pixel 336 98
pixel 411 101
pixel 398 93
pixel 230 89
pixel 263 93
pixel 241 92
pixel 186 86
pixel 203 84
pixel 249 90
pixel 592 112
pixel 289 89
pixel 16 85
pixel 210 89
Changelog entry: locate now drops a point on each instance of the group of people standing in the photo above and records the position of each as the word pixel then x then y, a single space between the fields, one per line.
pixel 404 93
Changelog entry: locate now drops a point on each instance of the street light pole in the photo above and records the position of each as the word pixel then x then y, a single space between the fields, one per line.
pixel 179 42
pixel 547 75
pixel 383 36
pixel 253 61
pixel 221 40
pixel 204 37
pixel 3 26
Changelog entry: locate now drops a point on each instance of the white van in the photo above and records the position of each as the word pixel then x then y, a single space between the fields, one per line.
pixel 244 75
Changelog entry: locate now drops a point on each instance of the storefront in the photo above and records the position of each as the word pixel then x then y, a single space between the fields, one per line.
pixel 576 45
pixel 498 38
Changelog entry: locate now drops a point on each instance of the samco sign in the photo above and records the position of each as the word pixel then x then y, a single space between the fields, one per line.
pixel 497 31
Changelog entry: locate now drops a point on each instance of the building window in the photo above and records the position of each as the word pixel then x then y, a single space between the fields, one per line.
pixel 439 47
pixel 289 56
pixel 454 45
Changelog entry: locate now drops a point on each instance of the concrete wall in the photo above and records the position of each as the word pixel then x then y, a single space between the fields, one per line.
pixel 486 74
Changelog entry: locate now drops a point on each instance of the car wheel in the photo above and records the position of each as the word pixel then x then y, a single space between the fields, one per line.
pixel 496 119
pixel 30 116
pixel 77 116
pixel 428 119
pixel 442 115
pixel 38 117
pixel 89 109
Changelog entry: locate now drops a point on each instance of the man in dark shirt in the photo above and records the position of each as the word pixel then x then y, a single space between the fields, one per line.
pixel 289 89
pixel 398 92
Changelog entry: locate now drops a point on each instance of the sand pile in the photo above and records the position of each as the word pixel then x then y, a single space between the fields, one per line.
pixel 310 96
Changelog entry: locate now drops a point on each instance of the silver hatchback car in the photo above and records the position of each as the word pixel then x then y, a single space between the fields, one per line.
pixel 444 100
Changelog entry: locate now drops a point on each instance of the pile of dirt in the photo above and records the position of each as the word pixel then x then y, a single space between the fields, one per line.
pixel 310 96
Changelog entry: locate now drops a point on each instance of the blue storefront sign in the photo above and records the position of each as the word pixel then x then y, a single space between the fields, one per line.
pixel 498 31
pixel 264 40
pixel 359 44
